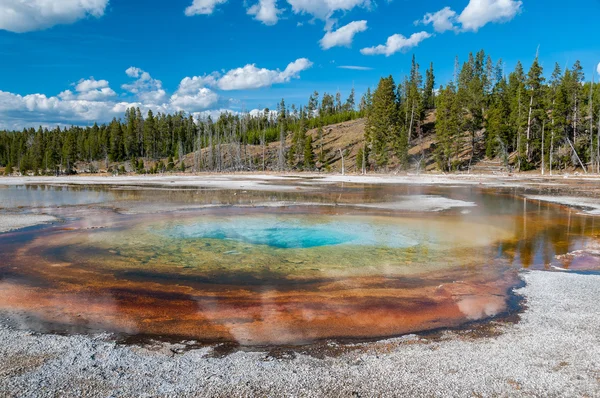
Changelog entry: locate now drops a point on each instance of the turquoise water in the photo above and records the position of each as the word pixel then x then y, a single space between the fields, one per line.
pixel 291 233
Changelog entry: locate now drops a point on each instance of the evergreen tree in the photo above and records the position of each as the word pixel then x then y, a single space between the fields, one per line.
pixel 428 93
pixel 150 136
pixel 309 157
pixel 537 114
pixel 383 124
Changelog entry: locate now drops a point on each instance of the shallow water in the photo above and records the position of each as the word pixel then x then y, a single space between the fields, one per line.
pixel 269 268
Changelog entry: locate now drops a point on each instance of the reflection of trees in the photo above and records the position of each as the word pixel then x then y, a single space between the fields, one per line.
pixel 545 231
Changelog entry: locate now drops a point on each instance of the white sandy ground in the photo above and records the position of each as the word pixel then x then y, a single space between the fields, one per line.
pixel 277 182
pixel 554 351
pixel 253 182
pixel 11 222
pixel 409 203
pixel 591 205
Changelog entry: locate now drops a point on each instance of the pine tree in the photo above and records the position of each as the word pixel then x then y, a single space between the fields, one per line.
pixel 116 141
pixel 309 157
pixel 518 110
pixel 383 124
pixel 447 127
pixel 428 93
pixel 350 102
pixel 497 123
pixel 150 136
pixel 536 115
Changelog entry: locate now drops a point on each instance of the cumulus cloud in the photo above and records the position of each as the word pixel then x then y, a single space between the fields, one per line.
pixel 265 11
pixel 251 77
pixel 92 100
pixel 442 21
pixel 89 90
pixel 22 111
pixel 479 13
pixel 203 7
pixel 93 90
pixel 28 15
pixel 202 99
pixel 86 85
pixel 343 36
pixel 190 85
pixel 396 43
pixel 476 15
pixel 598 69
pixel 146 88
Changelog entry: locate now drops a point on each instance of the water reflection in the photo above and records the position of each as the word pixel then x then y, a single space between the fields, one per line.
pixel 254 273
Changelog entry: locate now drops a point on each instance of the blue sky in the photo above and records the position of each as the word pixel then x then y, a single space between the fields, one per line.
pixel 78 61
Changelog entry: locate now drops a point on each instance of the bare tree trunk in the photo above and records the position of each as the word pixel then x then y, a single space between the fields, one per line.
pixel 364 166
pixel 211 150
pixel 529 129
pixel 576 155
pixel 219 154
pixel 281 147
pixel 551 148
pixel 412 118
pixel 592 124
pixel 263 138
pixel 598 146
pixel 343 167
pixel 552 137
pixel 519 134
pixel 543 128
pixel 575 121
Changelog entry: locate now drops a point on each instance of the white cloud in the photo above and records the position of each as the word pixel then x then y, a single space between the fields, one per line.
pixel 204 98
pixel 353 67
pixel 265 11
pixel 478 13
pixel 324 9
pixel 145 87
pixel 343 36
pixel 90 84
pixel 442 21
pixel 92 100
pixel 251 77
pixel 190 85
pixel 28 15
pixel 203 7
pixel 396 43
pixel 133 72
pixel 598 69
pixel 23 110
pixel 89 90
pixel 97 95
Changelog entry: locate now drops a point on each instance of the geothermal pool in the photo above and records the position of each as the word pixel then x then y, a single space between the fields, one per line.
pixel 273 266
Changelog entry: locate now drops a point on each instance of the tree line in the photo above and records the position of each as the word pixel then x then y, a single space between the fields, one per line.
pixel 144 141
pixel 523 119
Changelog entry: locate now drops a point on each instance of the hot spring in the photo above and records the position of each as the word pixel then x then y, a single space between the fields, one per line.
pixel 274 267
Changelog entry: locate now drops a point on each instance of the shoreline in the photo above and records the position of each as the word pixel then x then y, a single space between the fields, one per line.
pixel 540 355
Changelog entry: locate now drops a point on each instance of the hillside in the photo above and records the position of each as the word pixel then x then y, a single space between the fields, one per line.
pixel 349 138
